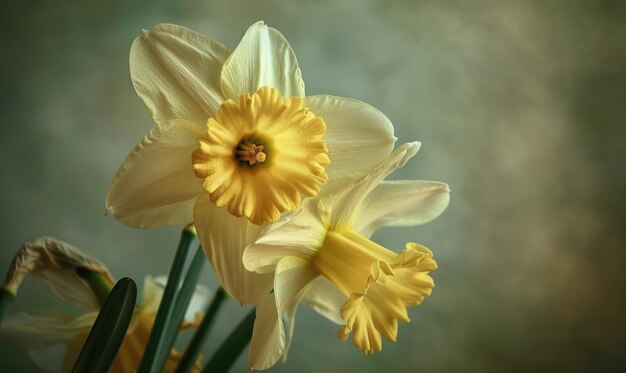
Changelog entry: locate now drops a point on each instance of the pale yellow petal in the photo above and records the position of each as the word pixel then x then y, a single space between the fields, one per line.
pixel 299 235
pixel 268 336
pixel 291 281
pixel 176 72
pixel 224 238
pixel 156 185
pixel 326 299
pixel 38 330
pixel 263 58
pixel 341 208
pixel 401 203
pixel 49 332
pixel 358 137
pixel 152 293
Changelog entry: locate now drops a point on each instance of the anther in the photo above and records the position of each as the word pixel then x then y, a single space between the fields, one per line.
pixel 250 152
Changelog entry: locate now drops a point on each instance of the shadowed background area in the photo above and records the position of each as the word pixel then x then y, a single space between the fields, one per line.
pixel 519 106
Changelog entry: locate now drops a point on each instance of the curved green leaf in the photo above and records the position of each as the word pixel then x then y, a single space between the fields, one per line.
pixel 107 333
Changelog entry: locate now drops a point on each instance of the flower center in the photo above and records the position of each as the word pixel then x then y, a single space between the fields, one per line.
pixel 260 156
pixel 249 152
pixel 378 282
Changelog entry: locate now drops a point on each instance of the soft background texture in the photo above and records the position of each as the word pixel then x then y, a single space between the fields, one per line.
pixel 520 108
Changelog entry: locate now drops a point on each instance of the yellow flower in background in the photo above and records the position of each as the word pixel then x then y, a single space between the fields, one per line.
pixel 134 344
pixel 54 339
pixel 237 143
pixel 322 256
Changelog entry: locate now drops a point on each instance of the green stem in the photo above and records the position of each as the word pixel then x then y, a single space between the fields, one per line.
pixel 165 308
pixel 6 298
pixel 181 303
pixel 231 348
pixel 98 283
pixel 193 349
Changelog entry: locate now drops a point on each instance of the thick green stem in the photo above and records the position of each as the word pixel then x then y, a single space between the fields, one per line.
pixel 196 343
pixel 155 342
pixel 231 348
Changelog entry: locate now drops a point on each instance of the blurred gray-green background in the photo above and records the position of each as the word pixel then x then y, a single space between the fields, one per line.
pixel 520 106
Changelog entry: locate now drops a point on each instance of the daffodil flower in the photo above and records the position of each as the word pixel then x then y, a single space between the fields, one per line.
pixel 54 339
pixel 322 256
pixel 237 144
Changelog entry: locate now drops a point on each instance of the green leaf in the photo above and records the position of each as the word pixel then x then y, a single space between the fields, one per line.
pixel 181 303
pixel 156 342
pixel 107 333
pixel 231 348
pixel 193 349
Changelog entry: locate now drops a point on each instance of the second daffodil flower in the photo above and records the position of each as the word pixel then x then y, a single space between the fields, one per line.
pixel 237 143
pixel 54 339
pixel 322 256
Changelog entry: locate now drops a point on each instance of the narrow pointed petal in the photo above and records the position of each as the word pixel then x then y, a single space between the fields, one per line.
pixel 326 299
pixel 268 336
pixel 401 203
pixel 358 137
pixel 342 207
pixel 291 281
pixel 263 58
pixel 35 331
pixel 176 72
pixel 156 185
pixel 43 334
pixel 224 238
pixel 296 235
